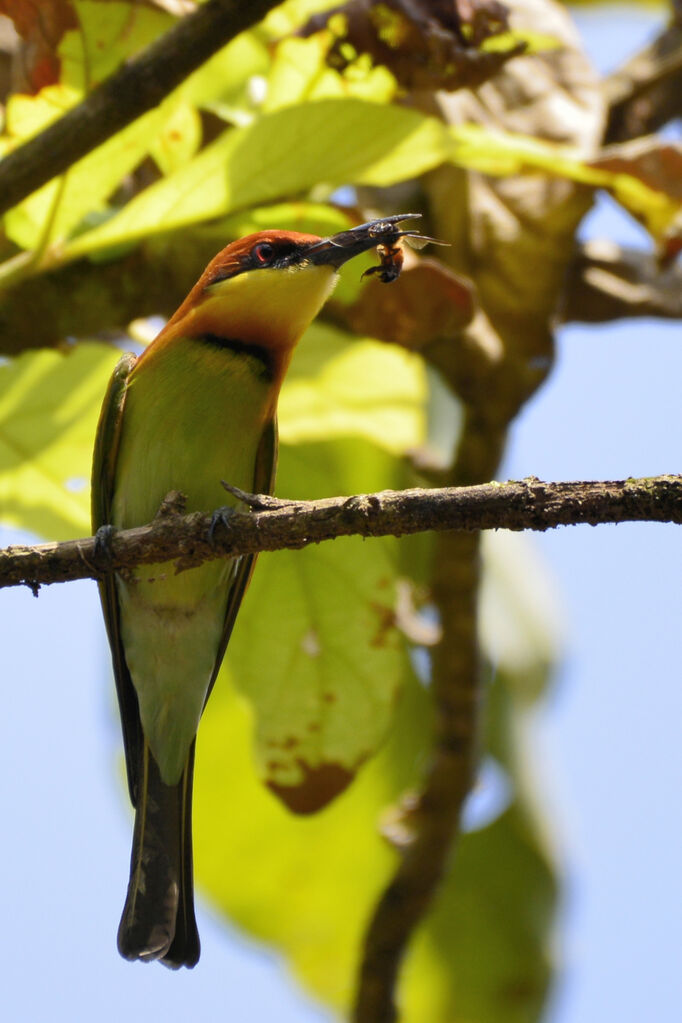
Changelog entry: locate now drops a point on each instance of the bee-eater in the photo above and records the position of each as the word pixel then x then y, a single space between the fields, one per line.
pixel 198 406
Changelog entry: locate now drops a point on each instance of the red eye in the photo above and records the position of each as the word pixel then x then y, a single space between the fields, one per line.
pixel 263 253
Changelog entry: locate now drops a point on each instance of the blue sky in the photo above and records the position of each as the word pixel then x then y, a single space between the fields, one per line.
pixel 609 735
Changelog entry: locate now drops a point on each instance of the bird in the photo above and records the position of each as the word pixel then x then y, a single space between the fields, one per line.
pixel 198 406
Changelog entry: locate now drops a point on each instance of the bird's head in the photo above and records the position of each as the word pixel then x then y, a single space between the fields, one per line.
pixel 266 288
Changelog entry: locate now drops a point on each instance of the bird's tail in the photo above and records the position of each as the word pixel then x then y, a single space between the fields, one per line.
pixel 158 917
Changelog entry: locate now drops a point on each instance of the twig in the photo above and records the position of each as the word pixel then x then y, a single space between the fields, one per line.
pixel 644 93
pixel 529 504
pixel 456 690
pixel 607 282
pixel 137 87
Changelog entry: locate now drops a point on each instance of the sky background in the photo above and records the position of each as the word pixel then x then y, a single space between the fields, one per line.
pixel 609 734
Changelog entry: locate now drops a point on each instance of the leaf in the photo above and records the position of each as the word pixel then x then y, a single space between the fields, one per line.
pixel 425 46
pixel 519 617
pixel 326 617
pixel 642 176
pixel 178 140
pixel 344 387
pixel 49 406
pixel 308 885
pixel 484 952
pixel 56 209
pixel 282 154
pixel 225 76
pixel 299 73
pixel 500 226
pixel 647 180
pixel 427 303
pixel 41 26
pixel 25 115
pixel 108 34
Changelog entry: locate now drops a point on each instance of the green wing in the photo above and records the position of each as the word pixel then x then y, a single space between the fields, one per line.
pixel 263 483
pixel 103 475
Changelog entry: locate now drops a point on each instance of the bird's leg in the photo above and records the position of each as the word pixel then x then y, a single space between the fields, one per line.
pixel 103 538
pixel 220 517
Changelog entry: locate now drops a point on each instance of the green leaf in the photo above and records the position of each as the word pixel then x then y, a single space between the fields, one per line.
pixel 312 737
pixel 49 406
pixel 52 213
pixel 282 154
pixel 484 952
pixel 178 140
pixel 324 616
pixel 343 387
pixel 309 885
pixel 107 35
pixel 519 616
pixel 299 73
pixel 306 884
pixel 224 77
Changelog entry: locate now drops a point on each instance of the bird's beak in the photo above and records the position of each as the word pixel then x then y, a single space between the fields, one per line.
pixel 338 248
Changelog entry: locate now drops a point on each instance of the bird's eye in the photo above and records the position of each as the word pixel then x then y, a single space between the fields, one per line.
pixel 263 253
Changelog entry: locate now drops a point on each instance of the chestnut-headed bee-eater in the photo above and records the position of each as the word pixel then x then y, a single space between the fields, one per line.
pixel 197 407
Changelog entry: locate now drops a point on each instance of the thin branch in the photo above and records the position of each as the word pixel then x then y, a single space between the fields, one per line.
pixel 137 87
pixel 529 504
pixel 456 692
pixel 644 94
pixel 607 282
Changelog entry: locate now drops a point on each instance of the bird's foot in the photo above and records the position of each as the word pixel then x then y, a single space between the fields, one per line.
pixel 103 537
pixel 220 517
pixel 257 502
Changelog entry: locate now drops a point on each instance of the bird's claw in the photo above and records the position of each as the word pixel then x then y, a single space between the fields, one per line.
pixel 103 538
pixel 220 517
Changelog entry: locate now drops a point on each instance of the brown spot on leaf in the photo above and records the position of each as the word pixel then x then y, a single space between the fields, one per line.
pixel 319 786
pixel 386 616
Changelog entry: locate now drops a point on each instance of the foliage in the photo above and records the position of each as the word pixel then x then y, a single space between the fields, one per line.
pixel 326 667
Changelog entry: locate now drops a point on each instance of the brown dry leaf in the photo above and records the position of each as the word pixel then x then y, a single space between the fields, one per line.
pixel 426 44
pixel 658 165
pixel 514 236
pixel 427 302
pixel 41 25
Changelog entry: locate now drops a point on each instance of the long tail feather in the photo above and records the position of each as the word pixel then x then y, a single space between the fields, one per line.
pixel 158 917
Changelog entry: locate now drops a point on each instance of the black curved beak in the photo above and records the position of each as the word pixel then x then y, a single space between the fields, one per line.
pixel 339 248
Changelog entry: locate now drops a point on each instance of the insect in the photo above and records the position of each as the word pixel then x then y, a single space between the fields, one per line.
pixel 392 256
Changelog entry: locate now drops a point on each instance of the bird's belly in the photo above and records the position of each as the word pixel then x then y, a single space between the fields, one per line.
pixel 187 434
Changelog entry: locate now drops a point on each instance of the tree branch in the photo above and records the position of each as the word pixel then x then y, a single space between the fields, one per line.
pixel 607 282
pixel 644 94
pixel 137 87
pixel 278 525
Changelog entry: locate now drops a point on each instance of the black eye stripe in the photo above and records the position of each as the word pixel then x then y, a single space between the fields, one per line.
pixel 270 254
